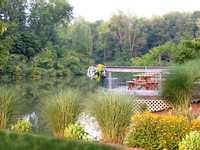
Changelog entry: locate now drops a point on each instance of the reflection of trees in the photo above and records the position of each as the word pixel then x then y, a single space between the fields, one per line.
pixel 31 91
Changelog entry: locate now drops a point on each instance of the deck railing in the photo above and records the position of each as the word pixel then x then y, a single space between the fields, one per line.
pixel 159 74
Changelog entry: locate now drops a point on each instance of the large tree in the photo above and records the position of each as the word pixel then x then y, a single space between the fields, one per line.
pixel 44 16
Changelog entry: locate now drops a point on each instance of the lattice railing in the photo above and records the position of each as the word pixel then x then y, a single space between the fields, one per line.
pixel 152 105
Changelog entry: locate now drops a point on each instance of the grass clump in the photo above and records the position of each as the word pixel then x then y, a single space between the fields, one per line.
pixel 179 84
pixel 24 141
pixel 191 141
pixel 153 131
pixel 61 109
pixel 112 112
pixel 9 106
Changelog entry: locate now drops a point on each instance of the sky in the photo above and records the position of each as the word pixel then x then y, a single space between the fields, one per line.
pixel 93 10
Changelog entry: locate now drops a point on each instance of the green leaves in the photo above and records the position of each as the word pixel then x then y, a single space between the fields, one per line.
pixel 44 16
pixel 74 131
pixel 22 126
pixel 191 141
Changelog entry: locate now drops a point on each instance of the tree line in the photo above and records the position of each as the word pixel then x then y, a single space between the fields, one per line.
pixel 45 39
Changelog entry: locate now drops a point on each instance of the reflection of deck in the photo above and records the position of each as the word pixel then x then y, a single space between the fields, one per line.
pixel 124 89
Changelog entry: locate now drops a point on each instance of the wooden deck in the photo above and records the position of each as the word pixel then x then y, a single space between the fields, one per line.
pixel 142 93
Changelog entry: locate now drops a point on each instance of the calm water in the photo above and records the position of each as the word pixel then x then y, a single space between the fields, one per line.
pixel 31 91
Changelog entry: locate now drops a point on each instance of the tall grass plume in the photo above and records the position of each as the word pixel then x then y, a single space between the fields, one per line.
pixel 112 112
pixel 179 84
pixel 9 106
pixel 60 109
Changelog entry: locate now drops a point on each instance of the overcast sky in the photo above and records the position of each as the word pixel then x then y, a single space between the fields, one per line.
pixel 93 10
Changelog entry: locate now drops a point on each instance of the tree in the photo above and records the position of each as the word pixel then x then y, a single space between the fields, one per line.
pixel 47 57
pixel 45 15
pixel 2 29
pixel 27 44
pixel 104 34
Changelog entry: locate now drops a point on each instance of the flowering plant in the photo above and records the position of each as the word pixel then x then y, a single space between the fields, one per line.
pixel 154 131
pixel 96 72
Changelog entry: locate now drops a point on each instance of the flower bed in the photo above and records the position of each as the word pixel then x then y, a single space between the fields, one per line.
pixel 153 131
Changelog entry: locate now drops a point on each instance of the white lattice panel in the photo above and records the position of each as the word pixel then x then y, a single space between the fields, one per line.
pixel 153 105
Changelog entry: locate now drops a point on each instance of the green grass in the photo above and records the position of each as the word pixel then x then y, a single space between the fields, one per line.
pixel 112 112
pixel 60 109
pixel 10 140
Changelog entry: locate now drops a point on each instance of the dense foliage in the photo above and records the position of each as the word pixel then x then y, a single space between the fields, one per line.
pixel 191 141
pixel 44 38
pixel 22 126
pixel 76 132
pixel 153 131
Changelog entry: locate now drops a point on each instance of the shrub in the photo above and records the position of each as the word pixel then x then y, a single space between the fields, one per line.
pixel 75 132
pixel 9 106
pixel 112 112
pixel 61 109
pixel 22 126
pixel 153 131
pixel 191 141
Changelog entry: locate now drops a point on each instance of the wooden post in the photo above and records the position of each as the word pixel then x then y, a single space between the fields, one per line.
pixel 160 82
pixel 109 80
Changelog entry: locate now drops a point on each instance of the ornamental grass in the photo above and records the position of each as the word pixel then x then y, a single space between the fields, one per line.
pixel 60 109
pixel 179 84
pixel 153 131
pixel 112 112
pixel 9 106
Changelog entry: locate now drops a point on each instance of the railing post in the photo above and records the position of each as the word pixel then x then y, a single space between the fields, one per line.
pixel 109 81
pixel 160 82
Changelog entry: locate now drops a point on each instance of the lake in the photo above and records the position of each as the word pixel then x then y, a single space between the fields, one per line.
pixel 32 91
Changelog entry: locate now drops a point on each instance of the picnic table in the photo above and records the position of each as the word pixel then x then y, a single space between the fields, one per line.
pixel 144 80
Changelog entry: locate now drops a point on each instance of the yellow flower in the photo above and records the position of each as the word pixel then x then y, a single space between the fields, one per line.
pixel 127 127
pixel 172 138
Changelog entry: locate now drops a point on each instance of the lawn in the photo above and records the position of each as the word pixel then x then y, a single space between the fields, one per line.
pixel 10 140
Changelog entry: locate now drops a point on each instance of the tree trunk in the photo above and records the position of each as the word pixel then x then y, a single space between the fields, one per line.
pixel 91 47
pixel 134 36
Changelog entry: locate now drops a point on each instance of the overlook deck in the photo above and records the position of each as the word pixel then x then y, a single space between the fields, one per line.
pixel 118 77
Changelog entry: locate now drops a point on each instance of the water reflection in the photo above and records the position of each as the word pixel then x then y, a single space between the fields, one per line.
pixel 31 91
